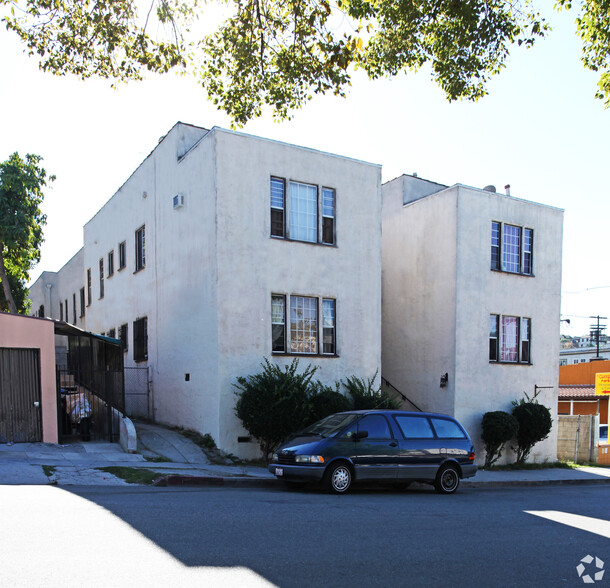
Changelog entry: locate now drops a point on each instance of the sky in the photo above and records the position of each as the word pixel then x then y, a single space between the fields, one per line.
pixel 539 130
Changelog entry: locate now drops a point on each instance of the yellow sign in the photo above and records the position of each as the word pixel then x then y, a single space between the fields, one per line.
pixel 602 384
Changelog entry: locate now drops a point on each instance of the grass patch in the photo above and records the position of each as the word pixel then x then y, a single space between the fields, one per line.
pixel 204 441
pixel 566 465
pixel 132 475
pixel 48 470
pixel 158 459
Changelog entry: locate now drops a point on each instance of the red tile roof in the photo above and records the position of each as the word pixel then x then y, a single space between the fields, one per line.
pixel 577 393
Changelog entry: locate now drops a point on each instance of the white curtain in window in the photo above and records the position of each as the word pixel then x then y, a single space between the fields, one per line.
pixel 510 339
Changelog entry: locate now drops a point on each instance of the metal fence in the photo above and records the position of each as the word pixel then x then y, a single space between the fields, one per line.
pixel 137 393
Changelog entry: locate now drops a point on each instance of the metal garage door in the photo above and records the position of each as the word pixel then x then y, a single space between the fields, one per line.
pixel 20 413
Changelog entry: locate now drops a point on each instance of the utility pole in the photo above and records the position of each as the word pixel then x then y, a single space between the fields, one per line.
pixel 596 331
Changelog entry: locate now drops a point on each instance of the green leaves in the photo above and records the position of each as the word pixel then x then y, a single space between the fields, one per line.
pixel 277 54
pixel 21 225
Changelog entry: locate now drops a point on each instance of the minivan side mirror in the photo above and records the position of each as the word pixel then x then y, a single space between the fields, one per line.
pixel 361 435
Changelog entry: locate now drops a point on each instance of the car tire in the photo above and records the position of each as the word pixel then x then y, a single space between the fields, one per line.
pixel 447 480
pixel 338 478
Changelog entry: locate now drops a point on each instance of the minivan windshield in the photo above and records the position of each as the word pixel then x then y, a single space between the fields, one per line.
pixel 331 425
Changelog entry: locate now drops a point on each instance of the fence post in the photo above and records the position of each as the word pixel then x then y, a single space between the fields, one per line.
pixel 577 440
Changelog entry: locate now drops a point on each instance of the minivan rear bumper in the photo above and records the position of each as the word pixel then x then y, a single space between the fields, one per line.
pixel 294 472
pixel 469 470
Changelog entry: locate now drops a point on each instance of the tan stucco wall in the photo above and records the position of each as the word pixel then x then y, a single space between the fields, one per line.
pixel 32 333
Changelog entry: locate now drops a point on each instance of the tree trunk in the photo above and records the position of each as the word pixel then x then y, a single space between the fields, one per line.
pixel 12 307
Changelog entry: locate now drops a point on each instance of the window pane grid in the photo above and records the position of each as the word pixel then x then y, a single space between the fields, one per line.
pixel 277 193
pixel 328 202
pixel 510 330
pixel 495 245
pixel 512 249
pixel 303 324
pixel 303 212
pixel 527 250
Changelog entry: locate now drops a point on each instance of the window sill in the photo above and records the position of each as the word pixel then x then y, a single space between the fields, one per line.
pixel 289 240
pixel 492 362
pixel 139 270
pixel 501 271
pixel 291 354
pixel 121 269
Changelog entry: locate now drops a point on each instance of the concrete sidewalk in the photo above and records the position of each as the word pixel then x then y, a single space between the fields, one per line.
pixel 180 461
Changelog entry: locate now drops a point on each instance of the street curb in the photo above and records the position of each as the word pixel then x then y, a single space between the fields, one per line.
pixel 245 482
pixel 215 481
pixel 501 484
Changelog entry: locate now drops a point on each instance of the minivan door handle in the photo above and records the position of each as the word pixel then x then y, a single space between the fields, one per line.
pixel 393 444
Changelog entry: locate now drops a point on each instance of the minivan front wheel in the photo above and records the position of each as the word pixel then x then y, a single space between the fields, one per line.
pixel 338 478
pixel 447 480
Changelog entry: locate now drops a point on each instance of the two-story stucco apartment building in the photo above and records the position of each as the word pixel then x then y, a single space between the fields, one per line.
pixel 222 249
pixel 471 300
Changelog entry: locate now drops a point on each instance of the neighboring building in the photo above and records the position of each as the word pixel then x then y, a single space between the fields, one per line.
pixel 577 392
pixel 61 295
pixel 583 355
pixel 471 300
pixel 222 249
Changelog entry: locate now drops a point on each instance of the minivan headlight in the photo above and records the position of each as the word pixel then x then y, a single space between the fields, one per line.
pixel 274 458
pixel 309 459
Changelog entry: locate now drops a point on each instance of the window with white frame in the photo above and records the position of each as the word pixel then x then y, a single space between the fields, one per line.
pixel 512 248
pixel 122 255
pixel 140 249
pixel 328 216
pixel 102 277
pixel 300 214
pixel 510 339
pixel 306 333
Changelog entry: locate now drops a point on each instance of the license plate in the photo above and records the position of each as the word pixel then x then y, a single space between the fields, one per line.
pixel 279 471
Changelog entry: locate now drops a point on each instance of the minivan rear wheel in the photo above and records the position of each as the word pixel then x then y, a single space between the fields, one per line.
pixel 447 480
pixel 338 478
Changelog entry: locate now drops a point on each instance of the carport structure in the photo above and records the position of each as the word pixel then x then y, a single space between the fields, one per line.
pixel 57 380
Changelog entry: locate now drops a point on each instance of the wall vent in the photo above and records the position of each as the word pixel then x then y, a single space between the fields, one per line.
pixel 178 201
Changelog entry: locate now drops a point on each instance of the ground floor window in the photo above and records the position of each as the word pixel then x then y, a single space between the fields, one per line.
pixel 509 339
pixel 305 334
pixel 140 339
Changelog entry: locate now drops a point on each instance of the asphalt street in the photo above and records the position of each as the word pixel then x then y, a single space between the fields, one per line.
pixel 136 536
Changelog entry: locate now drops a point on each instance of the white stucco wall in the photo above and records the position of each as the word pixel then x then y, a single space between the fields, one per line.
pixel 482 385
pixel 419 295
pixel 438 293
pixel 211 267
pixel 252 266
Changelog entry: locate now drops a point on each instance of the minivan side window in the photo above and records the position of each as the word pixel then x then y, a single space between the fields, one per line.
pixel 415 427
pixel 446 429
pixel 376 425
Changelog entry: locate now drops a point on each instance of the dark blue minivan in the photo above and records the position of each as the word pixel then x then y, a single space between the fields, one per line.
pixel 389 446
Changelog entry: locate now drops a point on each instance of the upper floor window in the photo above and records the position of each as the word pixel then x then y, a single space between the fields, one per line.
pixel 328 216
pixel 82 302
pixel 510 339
pixel 102 277
pixel 122 257
pixel 73 309
pixel 297 215
pixel 512 248
pixel 140 248
pixel 89 287
pixel 61 311
pixel 110 263
pixel 305 334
